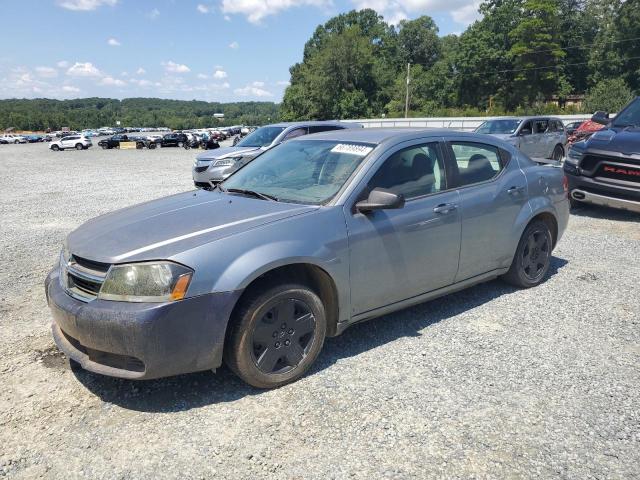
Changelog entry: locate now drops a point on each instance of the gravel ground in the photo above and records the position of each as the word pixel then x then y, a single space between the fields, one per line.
pixel 490 382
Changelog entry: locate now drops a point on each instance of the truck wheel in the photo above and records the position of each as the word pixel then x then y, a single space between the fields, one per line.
pixel 79 146
pixel 276 334
pixel 533 256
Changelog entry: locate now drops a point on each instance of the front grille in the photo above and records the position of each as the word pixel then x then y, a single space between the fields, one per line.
pixel 85 278
pixel 619 172
pixel 202 169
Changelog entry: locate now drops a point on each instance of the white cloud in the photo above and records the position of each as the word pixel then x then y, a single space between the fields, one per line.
pixel 141 71
pixel 220 74
pixel 153 14
pixel 253 90
pixel 83 70
pixel 256 10
pixel 283 83
pixel 62 64
pixel 141 82
pixel 462 11
pixel 70 89
pixel 234 45
pixel 227 18
pixel 112 82
pixel 172 67
pixel 85 5
pixel 202 76
pixel 112 42
pixel 46 72
pixel 202 8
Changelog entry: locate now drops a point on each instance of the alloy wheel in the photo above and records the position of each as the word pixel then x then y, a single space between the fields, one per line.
pixel 535 255
pixel 283 336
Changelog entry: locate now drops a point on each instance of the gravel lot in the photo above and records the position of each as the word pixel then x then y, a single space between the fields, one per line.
pixel 491 382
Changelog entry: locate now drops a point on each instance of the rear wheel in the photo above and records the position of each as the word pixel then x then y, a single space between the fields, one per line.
pixel 139 145
pixel 79 146
pixel 558 153
pixel 277 334
pixel 180 144
pixel 55 148
pixel 533 256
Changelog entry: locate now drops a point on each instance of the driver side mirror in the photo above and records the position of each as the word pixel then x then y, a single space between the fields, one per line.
pixel 600 117
pixel 380 199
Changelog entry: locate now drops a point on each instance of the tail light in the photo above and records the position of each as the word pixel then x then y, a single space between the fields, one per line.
pixel 565 185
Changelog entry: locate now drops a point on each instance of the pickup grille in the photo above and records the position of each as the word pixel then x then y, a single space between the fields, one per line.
pixel 612 169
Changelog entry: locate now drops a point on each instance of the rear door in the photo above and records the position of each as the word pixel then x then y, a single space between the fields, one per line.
pixel 528 141
pixel 399 254
pixel 544 136
pixel 493 190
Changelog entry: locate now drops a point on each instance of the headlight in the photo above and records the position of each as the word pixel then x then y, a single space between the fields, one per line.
pixel 146 282
pixel 573 157
pixel 226 162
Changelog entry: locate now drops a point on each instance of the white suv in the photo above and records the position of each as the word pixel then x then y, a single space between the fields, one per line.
pixel 9 138
pixel 72 141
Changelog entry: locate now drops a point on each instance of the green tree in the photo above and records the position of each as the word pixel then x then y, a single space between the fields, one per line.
pixel 418 41
pixel 609 95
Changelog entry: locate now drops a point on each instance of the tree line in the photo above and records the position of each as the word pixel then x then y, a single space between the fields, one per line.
pixel 518 57
pixel 42 114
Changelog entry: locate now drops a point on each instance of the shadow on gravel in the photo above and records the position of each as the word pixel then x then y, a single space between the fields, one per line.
pixel 185 392
pixel 605 213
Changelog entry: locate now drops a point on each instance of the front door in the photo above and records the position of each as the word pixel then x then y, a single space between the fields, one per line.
pixel 399 254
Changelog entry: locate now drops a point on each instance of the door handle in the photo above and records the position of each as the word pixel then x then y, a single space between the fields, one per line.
pixel 445 208
pixel 515 190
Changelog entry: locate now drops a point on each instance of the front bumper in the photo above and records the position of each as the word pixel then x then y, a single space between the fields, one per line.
pixel 588 190
pixel 212 174
pixel 140 340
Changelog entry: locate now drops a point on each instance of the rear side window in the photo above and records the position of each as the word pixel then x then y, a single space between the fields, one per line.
pixel 298 132
pixel 541 126
pixel 412 172
pixel 323 128
pixel 475 162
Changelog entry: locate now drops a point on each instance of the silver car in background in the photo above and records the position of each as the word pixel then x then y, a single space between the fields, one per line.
pixel 537 137
pixel 214 166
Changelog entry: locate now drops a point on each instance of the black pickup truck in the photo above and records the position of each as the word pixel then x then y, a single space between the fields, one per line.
pixel 604 169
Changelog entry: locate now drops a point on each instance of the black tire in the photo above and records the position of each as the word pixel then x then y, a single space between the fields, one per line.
pixel 533 256
pixel 139 145
pixel 558 153
pixel 79 146
pixel 55 148
pixel 152 145
pixel 180 144
pixel 298 320
pixel 104 147
pixel 16 142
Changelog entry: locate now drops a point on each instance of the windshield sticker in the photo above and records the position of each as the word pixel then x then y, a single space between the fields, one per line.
pixel 360 150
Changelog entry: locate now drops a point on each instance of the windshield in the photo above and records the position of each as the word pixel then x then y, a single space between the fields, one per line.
pixel 630 116
pixel 309 172
pixel 262 137
pixel 499 126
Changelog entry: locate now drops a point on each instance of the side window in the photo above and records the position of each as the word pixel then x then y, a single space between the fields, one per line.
pixel 476 162
pixel 541 126
pixel 526 128
pixel 323 128
pixel 559 126
pixel 413 172
pixel 298 132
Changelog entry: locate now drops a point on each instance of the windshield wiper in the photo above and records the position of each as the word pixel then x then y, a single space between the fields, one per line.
pixel 262 196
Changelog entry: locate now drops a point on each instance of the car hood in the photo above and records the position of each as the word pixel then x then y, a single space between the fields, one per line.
pixel 626 140
pixel 168 226
pixel 226 152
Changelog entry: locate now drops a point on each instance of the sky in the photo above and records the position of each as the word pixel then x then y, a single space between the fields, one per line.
pixel 213 50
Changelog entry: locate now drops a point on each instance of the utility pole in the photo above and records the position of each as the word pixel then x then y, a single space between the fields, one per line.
pixel 406 102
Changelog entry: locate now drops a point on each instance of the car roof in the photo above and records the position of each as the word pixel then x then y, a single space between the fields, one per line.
pixel 523 118
pixel 381 135
pixel 313 123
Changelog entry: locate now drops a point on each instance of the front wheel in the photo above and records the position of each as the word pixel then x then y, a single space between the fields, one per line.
pixel 55 148
pixel 533 256
pixel 180 144
pixel 276 335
